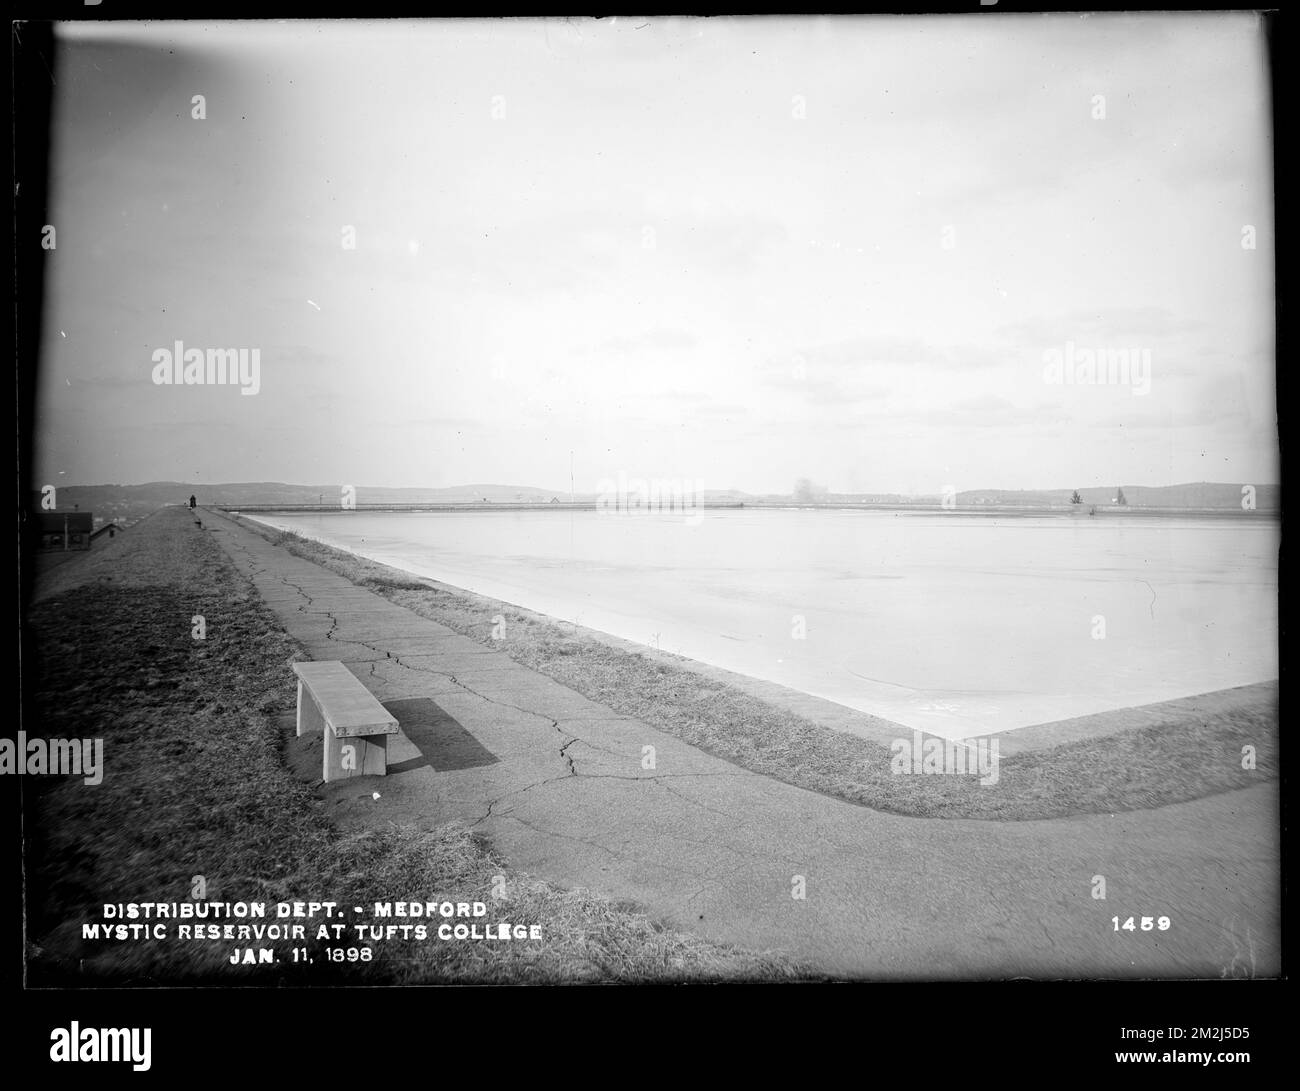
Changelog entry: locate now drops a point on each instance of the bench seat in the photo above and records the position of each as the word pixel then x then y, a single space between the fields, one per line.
pixel 356 726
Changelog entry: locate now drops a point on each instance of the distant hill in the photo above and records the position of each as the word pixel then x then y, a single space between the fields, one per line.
pixel 886 498
pixel 1202 495
pixel 137 500
pixel 129 502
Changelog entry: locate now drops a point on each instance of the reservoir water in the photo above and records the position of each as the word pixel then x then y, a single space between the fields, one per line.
pixel 958 624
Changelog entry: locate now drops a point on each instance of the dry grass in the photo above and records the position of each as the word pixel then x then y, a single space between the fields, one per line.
pixel 1145 767
pixel 195 785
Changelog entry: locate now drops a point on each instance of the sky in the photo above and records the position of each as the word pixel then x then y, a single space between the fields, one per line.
pixel 731 251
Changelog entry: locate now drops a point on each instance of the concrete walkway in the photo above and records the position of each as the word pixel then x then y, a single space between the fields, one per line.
pixel 555 781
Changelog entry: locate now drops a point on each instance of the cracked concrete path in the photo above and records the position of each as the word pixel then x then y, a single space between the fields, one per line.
pixel 555 781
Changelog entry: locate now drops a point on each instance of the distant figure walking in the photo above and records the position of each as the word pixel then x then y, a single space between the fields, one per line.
pixel 192 503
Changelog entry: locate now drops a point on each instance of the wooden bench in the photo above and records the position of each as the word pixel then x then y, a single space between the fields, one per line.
pixel 356 726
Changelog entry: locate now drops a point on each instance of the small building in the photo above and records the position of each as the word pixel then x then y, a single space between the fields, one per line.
pixel 64 530
pixel 110 529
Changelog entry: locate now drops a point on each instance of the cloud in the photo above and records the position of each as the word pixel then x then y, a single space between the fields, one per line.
pixel 851 369
pixel 656 340
pixel 728 244
pixel 1103 326
pixel 986 411
pixel 823 388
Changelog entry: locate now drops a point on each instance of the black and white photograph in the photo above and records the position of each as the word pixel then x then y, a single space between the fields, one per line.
pixel 676 500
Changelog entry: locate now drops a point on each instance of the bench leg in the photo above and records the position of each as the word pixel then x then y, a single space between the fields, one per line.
pixel 309 717
pixel 354 756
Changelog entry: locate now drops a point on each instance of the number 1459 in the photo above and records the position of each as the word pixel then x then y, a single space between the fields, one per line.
pixel 1148 923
